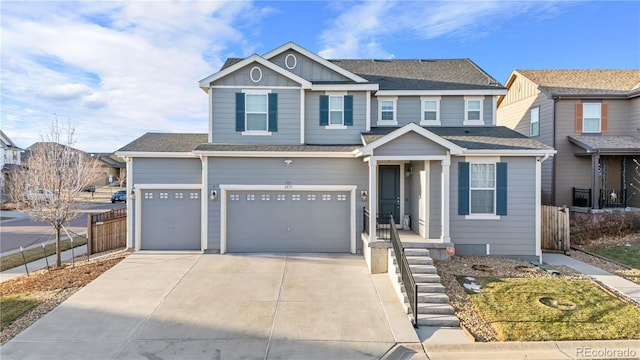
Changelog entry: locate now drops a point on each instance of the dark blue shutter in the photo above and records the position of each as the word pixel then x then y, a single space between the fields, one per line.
pixel 501 188
pixel 239 111
pixel 348 110
pixel 324 110
pixel 273 112
pixel 463 188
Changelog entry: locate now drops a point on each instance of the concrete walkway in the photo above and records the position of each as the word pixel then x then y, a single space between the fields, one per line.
pixel 615 282
pixel 193 306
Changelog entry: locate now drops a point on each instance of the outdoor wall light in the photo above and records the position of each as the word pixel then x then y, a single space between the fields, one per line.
pixel 214 194
pixel 132 195
pixel 363 195
pixel 409 171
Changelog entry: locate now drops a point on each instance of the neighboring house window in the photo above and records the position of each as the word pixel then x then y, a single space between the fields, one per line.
pixel 336 111
pixel 473 111
pixel 591 117
pixel 256 112
pixel 430 110
pixel 482 191
pixel 534 129
pixel 387 111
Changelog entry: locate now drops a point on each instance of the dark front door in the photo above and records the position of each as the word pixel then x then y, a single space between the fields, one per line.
pixel 389 192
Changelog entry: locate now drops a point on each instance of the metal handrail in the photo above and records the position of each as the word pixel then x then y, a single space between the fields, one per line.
pixel 365 220
pixel 408 281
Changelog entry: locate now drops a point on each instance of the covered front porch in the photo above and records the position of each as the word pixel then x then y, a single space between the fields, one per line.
pixel 615 178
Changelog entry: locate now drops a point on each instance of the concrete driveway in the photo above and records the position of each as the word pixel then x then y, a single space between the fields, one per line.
pixel 194 306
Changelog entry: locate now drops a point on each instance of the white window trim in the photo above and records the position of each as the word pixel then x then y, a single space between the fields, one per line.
pixel 256 132
pixel 599 131
pixel 531 122
pixel 342 111
pixel 484 160
pixel 435 122
pixel 394 99
pixel 466 110
pixel 336 127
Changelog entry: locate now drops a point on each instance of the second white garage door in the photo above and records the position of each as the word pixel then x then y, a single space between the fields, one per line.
pixel 288 221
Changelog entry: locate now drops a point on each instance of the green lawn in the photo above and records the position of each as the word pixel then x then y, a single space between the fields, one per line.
pixel 628 255
pixel 13 307
pixel 538 309
pixel 14 260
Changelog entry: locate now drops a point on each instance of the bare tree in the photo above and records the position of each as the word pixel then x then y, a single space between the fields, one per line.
pixel 51 178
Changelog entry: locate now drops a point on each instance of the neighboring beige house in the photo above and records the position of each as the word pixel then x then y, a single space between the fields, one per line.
pixel 592 118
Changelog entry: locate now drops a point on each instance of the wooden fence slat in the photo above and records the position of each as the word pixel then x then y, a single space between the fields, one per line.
pixel 555 230
pixel 107 230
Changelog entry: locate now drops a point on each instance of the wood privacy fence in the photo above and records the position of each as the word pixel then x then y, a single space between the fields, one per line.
pixel 555 229
pixel 107 231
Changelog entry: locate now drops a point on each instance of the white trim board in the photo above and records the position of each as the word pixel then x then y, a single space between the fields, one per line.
pixel 239 187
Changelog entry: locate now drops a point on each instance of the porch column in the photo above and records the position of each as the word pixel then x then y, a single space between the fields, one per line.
pixel 595 190
pixel 446 165
pixel 373 198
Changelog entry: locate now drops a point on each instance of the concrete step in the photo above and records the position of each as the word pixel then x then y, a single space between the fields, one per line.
pixel 444 320
pixel 416 252
pixel 432 298
pixel 423 269
pixel 419 260
pixel 428 288
pixel 422 278
pixel 434 309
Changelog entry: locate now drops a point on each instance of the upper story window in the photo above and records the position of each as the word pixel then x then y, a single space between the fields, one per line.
pixel 534 126
pixel 430 110
pixel 336 111
pixel 473 111
pixel 256 112
pixel 591 117
pixel 387 111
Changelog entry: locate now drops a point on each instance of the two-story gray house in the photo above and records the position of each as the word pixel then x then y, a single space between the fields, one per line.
pixel 592 118
pixel 303 152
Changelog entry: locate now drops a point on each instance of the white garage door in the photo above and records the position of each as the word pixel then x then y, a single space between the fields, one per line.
pixel 288 221
pixel 170 219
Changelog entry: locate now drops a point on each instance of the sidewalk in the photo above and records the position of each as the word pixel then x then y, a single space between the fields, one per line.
pixel 621 285
pixel 80 252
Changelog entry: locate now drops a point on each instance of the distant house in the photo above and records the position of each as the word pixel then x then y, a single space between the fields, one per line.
pixel 10 156
pixel 307 154
pixel 112 169
pixel 592 119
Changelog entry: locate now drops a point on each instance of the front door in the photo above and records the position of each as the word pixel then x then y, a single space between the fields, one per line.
pixel 389 192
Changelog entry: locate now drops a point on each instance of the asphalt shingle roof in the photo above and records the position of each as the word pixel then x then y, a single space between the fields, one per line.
pixel 585 82
pixel 473 138
pixel 427 74
pixel 165 142
pixel 604 143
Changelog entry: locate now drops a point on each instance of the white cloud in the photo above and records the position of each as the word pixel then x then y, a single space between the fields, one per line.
pixel 358 29
pixel 108 66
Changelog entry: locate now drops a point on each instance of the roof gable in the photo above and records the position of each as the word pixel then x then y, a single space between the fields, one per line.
pixel 206 82
pixel 368 149
pixel 326 63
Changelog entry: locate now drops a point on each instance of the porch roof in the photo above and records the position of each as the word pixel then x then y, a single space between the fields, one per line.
pixel 472 138
pixel 607 144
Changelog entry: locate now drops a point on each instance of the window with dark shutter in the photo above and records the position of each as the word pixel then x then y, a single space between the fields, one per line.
pixel 463 188
pixel 240 111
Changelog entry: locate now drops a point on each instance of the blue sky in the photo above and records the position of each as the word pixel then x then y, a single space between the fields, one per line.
pixel 116 70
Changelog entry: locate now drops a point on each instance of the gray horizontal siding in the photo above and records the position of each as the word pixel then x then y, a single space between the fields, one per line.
pixel 307 68
pixel 273 171
pixel 316 134
pixel 410 144
pixel 224 119
pixel 242 77
pixel 166 171
pixel 514 233
pixel 452 110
